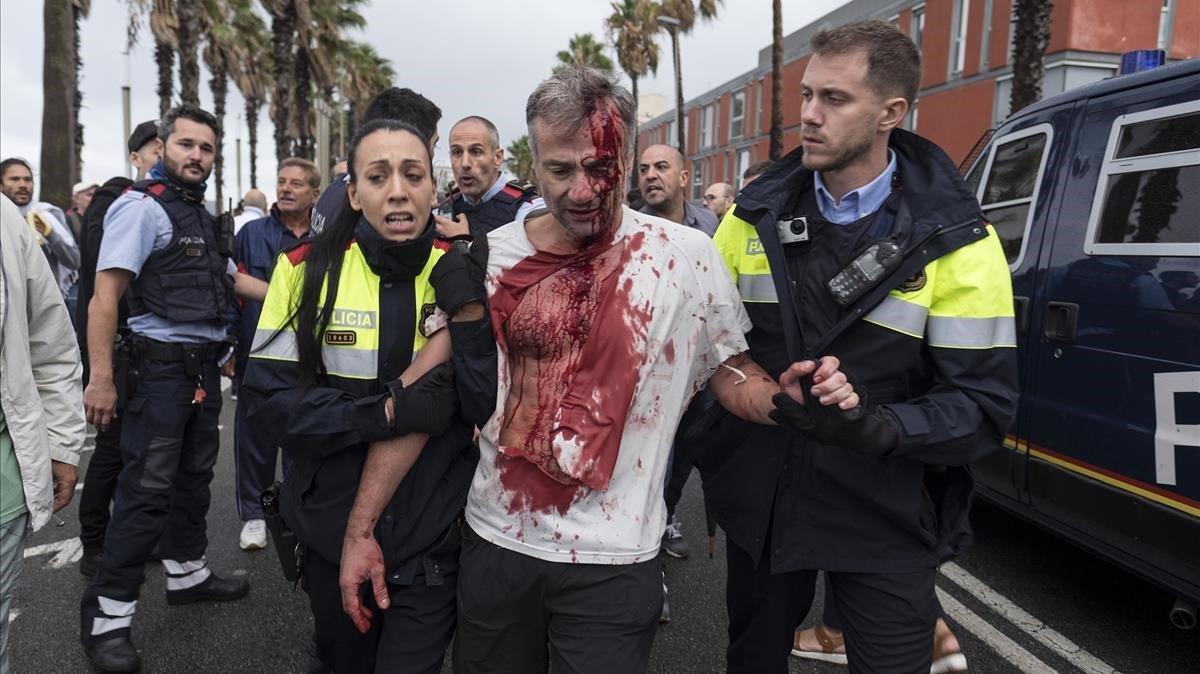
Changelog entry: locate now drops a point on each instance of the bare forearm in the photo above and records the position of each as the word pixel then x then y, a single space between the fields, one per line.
pixel 101 329
pixel 388 461
pixel 247 287
pixel 745 389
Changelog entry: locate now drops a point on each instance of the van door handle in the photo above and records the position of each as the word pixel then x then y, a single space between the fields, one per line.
pixel 1062 321
pixel 1021 313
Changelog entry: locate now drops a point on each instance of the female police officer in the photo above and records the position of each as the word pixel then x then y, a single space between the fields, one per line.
pixel 347 398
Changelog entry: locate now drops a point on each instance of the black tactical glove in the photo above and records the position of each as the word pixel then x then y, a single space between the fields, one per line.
pixel 458 277
pixel 429 405
pixel 863 429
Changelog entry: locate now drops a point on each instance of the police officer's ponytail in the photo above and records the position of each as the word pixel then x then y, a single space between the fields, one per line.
pixel 324 261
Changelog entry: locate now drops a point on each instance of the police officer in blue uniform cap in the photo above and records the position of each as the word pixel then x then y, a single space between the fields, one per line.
pixel 171 257
pixel 483 200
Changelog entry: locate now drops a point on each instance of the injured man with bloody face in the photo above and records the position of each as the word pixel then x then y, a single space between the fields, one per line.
pixel 605 322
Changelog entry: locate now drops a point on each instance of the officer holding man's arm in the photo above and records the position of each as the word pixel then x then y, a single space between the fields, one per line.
pixel 863 244
pixel 164 250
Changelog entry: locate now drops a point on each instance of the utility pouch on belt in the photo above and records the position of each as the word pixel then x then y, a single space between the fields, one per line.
pixel 289 549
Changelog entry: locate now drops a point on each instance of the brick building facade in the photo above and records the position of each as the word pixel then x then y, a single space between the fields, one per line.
pixel 965 89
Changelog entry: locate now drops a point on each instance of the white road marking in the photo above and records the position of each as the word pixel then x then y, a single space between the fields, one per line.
pixel 1044 634
pixel 12 615
pixel 65 552
pixel 78 486
pixel 1009 650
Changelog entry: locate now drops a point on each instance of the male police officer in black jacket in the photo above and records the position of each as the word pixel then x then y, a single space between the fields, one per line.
pixel 863 244
pixel 164 247
pixel 482 198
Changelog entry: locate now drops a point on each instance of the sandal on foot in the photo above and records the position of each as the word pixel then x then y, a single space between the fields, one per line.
pixel 833 648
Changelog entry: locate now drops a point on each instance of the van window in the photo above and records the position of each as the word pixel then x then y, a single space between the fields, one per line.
pixel 1147 198
pixel 1007 187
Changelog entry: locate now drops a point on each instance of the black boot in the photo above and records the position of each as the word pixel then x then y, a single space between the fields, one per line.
pixel 214 588
pixel 114 655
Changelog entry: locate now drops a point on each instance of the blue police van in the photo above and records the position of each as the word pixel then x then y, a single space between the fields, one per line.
pixel 1096 196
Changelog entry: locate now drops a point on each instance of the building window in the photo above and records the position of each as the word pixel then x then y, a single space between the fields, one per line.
pixel 743 163
pixel 958 37
pixel 708 115
pixel 697 179
pixel 1010 184
pixel 670 139
pixel 910 120
pixel 1165 22
pixel 758 108
pixel 737 115
pixel 1143 203
pixel 917 28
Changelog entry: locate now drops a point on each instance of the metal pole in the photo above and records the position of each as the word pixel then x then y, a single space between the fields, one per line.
pixel 126 113
pixel 238 145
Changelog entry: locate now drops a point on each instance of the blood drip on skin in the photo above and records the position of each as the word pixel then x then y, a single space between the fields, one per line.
pixel 607 130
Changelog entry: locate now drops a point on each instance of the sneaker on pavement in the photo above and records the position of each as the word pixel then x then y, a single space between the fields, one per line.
pixel 214 588
pixel 254 535
pixel 114 656
pixel 673 542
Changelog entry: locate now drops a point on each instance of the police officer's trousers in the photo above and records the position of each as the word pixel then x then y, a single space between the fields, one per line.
pixel 169 447
pixel 255 455
pixel 887 618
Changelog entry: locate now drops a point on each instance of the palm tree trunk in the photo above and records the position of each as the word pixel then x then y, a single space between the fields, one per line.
pixel 682 115
pixel 189 57
pixel 219 85
pixel 164 56
pixel 1032 34
pixel 776 148
pixel 283 30
pixel 303 105
pixel 76 94
pixel 252 106
pixel 58 119
pixel 633 176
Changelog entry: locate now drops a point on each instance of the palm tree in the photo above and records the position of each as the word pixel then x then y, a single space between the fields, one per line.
pixel 163 24
pixel 189 31
pixel 320 45
pixel 1032 34
pixel 520 159
pixel 361 74
pixel 776 148
pixel 79 11
pixel 685 11
pixel 58 118
pixel 223 56
pixel 252 76
pixel 631 29
pixel 583 50
pixel 283 38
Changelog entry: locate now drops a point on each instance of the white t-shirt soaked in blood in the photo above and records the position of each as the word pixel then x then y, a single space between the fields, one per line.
pixel 679 318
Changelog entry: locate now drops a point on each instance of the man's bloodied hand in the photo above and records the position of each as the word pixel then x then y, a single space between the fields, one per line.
pixel 842 419
pixel 362 562
pixel 830 386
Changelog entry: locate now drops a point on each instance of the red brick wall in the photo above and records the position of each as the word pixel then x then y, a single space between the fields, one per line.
pixel 1185 36
pixel 955 118
pixel 1108 25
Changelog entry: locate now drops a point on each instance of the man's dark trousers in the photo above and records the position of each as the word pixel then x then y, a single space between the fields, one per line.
pixel 99 485
pixel 254 459
pixel 887 619
pixel 169 447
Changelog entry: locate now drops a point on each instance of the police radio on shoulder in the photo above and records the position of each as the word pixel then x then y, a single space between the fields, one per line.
pixel 864 272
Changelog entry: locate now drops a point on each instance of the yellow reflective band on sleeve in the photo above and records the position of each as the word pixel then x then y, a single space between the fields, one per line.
pixel 972 302
pixel 757 288
pixel 268 344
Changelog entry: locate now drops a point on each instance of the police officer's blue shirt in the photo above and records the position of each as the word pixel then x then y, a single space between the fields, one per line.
pixel 857 203
pixel 501 181
pixel 135 226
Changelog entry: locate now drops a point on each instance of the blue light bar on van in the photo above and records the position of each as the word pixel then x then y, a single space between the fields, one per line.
pixel 1142 59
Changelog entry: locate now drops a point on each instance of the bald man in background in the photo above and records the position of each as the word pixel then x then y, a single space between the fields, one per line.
pixel 718 198
pixel 662 180
pixel 254 207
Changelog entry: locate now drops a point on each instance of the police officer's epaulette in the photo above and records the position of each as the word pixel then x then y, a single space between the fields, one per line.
pixel 519 189
pixel 155 188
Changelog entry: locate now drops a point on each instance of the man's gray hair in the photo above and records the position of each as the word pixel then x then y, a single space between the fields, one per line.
pixel 567 99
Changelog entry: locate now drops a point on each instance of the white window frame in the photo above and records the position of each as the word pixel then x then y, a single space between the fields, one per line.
pixel 1112 166
pixel 697 179
pixel 742 159
pixel 917 30
pixel 707 115
pixel 959 26
pixel 737 125
pixel 1046 129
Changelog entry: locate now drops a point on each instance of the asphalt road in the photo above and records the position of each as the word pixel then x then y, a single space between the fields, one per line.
pixel 1020 600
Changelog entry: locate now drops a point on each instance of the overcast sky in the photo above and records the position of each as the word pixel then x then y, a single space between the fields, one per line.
pixel 469 56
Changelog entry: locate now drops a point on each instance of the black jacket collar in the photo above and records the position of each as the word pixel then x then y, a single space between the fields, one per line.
pixel 394 261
